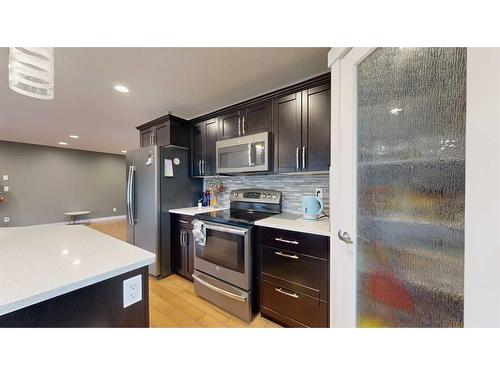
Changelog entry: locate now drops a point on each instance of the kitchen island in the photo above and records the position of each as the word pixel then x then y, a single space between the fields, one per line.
pixel 70 276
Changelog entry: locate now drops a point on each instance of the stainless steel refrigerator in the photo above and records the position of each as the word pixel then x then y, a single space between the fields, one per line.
pixel 158 179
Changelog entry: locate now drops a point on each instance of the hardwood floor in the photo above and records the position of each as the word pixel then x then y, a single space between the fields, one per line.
pixel 173 303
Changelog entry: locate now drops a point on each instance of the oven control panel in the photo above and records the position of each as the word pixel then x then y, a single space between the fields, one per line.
pixel 256 196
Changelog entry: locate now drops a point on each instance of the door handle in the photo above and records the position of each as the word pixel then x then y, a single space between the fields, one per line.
pixel 297 167
pixel 203 167
pixel 346 237
pixel 239 126
pixel 303 157
pixel 243 126
pixel 286 255
pixel 219 290
pixel 199 167
pixel 294 295
pixel 287 241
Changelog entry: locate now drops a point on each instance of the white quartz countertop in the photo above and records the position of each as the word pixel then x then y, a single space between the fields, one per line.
pixel 191 211
pixel 295 223
pixel 41 262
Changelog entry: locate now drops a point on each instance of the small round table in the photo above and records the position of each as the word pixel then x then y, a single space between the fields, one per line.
pixel 73 214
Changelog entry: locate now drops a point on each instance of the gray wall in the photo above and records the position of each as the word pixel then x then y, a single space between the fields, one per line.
pixel 45 182
pixel 293 187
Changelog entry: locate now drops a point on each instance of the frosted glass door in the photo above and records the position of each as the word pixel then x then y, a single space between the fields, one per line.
pixel 410 171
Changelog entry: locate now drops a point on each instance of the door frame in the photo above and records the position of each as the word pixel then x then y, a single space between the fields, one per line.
pixel 482 186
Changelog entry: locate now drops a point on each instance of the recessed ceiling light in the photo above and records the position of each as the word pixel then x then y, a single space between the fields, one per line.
pixel 124 151
pixel 74 136
pixel 63 143
pixel 121 88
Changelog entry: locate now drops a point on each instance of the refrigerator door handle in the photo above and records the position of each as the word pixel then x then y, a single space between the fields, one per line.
pixel 130 195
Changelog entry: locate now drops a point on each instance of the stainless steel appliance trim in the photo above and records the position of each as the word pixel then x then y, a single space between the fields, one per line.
pixel 219 290
pixel 346 237
pixel 294 242
pixel 286 255
pixel 297 167
pixel 227 229
pixel 303 157
pixel 294 295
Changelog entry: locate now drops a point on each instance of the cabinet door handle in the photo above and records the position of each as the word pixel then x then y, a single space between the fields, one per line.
pixel 243 126
pixel 199 166
pixel 294 295
pixel 184 221
pixel 303 157
pixel 297 167
pixel 180 238
pixel 346 237
pixel 203 168
pixel 239 126
pixel 286 255
pixel 287 241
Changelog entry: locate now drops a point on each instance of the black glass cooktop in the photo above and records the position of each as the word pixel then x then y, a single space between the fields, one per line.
pixel 234 217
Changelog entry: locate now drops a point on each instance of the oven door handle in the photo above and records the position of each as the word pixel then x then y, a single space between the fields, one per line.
pixel 219 228
pixel 219 290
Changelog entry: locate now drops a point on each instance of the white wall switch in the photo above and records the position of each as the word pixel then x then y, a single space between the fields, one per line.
pixel 132 290
pixel 319 193
pixel 114 209
pixel 5 188
pixel 6 219
pixel 5 177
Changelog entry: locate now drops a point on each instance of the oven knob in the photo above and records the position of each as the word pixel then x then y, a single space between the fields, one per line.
pixel 274 197
pixel 235 194
pixel 264 196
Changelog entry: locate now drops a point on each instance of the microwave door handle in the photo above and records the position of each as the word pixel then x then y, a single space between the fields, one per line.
pixel 250 158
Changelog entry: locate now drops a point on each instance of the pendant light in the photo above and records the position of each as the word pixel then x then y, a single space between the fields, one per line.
pixel 31 71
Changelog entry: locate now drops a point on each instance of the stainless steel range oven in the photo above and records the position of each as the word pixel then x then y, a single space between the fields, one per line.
pixel 223 254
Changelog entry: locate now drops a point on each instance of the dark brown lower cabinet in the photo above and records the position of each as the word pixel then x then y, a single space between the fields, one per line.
pixel 182 246
pixel 294 278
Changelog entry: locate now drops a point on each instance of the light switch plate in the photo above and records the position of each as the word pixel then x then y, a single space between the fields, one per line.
pixel 132 290
pixel 6 219
pixel 5 177
pixel 6 189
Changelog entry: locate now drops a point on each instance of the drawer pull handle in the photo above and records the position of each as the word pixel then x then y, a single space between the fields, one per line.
pixel 184 221
pixel 287 241
pixel 294 295
pixel 286 255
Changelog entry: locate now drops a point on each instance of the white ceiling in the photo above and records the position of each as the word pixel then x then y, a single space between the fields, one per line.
pixel 187 81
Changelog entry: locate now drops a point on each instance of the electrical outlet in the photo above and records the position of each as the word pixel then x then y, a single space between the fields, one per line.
pixel 132 290
pixel 5 189
pixel 319 193
pixel 114 209
pixel 6 219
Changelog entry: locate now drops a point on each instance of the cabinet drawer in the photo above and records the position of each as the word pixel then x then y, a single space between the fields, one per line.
pixel 182 221
pixel 301 243
pixel 298 307
pixel 309 272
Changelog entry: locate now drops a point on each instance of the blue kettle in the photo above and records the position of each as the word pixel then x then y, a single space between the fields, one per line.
pixel 312 207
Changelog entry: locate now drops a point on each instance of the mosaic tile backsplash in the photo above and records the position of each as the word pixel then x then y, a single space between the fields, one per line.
pixel 293 187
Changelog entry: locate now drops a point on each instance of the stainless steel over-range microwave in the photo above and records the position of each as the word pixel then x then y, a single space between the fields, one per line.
pixel 243 154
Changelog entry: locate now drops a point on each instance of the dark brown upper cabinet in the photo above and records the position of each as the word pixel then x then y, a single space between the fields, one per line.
pixel 166 130
pixel 230 125
pixel 253 119
pixel 287 133
pixel 316 108
pixel 257 118
pixel 302 130
pixel 205 135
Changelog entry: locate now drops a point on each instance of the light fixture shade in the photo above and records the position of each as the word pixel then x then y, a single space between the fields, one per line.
pixel 31 71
